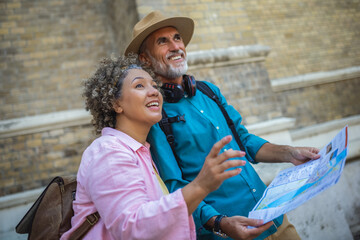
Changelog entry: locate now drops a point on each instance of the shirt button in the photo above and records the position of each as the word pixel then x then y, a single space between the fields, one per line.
pixel 254 190
pixel 217 128
pixel 202 111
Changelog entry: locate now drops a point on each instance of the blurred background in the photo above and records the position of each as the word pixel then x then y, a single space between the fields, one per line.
pixel 290 67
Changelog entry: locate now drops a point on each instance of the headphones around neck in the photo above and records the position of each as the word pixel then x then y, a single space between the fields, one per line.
pixel 174 92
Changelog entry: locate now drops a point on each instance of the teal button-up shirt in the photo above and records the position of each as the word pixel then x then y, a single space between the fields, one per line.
pixel 205 125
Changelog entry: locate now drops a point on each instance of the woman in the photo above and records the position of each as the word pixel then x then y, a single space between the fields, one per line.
pixel 117 177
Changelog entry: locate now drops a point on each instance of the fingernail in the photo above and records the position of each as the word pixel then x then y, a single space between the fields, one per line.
pixel 260 222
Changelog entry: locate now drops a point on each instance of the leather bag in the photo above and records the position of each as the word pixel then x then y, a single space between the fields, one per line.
pixel 50 215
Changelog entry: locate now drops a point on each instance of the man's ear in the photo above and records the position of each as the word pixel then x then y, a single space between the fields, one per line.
pixel 144 59
pixel 117 107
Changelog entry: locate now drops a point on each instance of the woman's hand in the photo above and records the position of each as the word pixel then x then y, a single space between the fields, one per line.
pixel 213 173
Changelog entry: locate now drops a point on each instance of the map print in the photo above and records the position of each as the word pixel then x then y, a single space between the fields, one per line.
pixel 296 185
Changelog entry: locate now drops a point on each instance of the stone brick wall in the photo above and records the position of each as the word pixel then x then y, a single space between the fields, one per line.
pixel 218 24
pixel 31 161
pixel 305 36
pixel 321 103
pixel 246 87
pixel 48 47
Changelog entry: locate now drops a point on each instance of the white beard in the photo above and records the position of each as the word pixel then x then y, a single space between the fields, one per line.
pixel 169 71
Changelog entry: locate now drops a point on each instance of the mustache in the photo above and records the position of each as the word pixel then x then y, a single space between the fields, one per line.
pixel 170 54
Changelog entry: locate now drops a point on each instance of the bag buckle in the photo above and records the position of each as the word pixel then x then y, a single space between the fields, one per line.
pixel 92 221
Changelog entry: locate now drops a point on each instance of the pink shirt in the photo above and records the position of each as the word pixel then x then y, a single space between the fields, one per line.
pixel 116 178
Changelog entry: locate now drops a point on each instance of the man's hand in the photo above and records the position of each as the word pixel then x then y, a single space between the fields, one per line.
pixel 236 227
pixel 300 155
pixel 273 153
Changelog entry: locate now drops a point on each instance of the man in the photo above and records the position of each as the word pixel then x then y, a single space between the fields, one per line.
pixel 160 43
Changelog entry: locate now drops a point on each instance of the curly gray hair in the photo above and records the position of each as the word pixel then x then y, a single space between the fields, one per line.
pixel 104 87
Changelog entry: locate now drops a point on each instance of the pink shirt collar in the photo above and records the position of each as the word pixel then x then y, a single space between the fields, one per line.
pixel 131 142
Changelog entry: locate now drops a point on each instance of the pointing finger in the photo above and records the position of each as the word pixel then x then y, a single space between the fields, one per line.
pixel 219 145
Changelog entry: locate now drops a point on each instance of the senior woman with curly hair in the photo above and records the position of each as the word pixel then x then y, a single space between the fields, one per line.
pixel 117 177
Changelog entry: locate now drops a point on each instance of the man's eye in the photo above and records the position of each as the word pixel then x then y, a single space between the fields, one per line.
pixel 161 41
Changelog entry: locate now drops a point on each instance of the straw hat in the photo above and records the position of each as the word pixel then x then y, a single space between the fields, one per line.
pixel 154 21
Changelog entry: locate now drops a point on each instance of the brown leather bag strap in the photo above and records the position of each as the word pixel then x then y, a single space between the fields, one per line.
pixel 80 232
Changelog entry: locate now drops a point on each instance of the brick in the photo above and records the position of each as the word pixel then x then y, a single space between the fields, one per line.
pixel 14 17
pixel 8 24
pixel 45 166
pixel 61 163
pixel 34 143
pixel 196 15
pixel 13 5
pixel 4 31
pixel 31 63
pixel 50 141
pixel 22 163
pixel 5 166
pixel 7 182
pixel 17 30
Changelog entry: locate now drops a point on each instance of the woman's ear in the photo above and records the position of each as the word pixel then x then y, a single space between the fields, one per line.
pixel 117 107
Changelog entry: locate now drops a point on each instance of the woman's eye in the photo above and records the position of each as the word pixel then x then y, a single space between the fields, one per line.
pixel 139 85
pixel 155 86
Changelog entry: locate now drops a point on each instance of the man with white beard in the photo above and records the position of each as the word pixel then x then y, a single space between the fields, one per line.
pixel 197 122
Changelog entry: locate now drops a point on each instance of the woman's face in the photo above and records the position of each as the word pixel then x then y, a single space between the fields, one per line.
pixel 140 101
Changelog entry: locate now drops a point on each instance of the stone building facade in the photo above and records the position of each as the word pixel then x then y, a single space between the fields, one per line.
pixel 48 47
pixel 271 59
pixel 291 68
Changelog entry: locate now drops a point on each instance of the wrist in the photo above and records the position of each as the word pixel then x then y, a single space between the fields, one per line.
pixel 214 225
pixel 209 225
pixel 198 188
pixel 217 229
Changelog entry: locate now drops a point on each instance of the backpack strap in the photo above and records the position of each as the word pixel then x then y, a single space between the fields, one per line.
pixel 85 227
pixel 204 88
pixel 165 125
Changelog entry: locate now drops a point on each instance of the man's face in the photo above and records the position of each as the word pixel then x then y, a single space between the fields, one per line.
pixel 166 52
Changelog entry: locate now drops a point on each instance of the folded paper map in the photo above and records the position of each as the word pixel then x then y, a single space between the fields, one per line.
pixel 296 185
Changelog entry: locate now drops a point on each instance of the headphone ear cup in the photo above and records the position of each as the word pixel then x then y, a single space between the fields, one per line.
pixel 172 92
pixel 190 85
